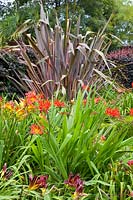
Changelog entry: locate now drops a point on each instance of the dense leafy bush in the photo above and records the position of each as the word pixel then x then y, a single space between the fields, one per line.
pixel 123 58
pixel 9 64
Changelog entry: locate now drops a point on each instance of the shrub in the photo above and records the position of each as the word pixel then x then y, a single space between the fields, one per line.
pixel 63 61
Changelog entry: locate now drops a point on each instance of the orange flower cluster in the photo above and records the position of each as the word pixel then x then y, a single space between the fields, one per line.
pixel 44 105
pixel 9 105
pixel 113 112
pixel 59 104
pixel 36 129
pixel 31 97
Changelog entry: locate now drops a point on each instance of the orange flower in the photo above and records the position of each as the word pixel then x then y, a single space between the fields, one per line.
pixel 31 97
pixel 132 84
pixel 30 107
pixel 113 112
pixel 44 105
pixel 20 113
pixel 36 129
pixel 131 111
pixel 59 104
pixel 9 105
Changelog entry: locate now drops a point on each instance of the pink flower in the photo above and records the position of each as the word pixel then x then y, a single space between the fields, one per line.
pixel 130 162
pixel 6 174
pixel 37 182
pixel 76 182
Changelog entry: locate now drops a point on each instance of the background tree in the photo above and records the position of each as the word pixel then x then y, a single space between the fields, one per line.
pixel 94 14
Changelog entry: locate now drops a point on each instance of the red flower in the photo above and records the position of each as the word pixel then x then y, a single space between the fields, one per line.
pixel 76 182
pixel 0 98
pixel 113 112
pixel 132 84
pixel 36 129
pixel 131 111
pixel 130 162
pixel 59 104
pixel 44 105
pixel 37 182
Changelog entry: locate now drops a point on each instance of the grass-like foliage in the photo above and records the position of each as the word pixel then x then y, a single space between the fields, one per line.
pixel 56 149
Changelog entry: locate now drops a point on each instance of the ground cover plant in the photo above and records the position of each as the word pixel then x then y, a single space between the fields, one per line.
pixel 58 149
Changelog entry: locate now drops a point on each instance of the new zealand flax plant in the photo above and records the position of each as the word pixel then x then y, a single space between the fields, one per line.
pixel 63 61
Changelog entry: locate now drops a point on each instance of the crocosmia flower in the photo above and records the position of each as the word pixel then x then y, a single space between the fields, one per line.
pixel 44 105
pixel 113 112
pixel 130 162
pixel 36 129
pixel 59 104
pixel 37 182
pixel 131 111
pixel 75 182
